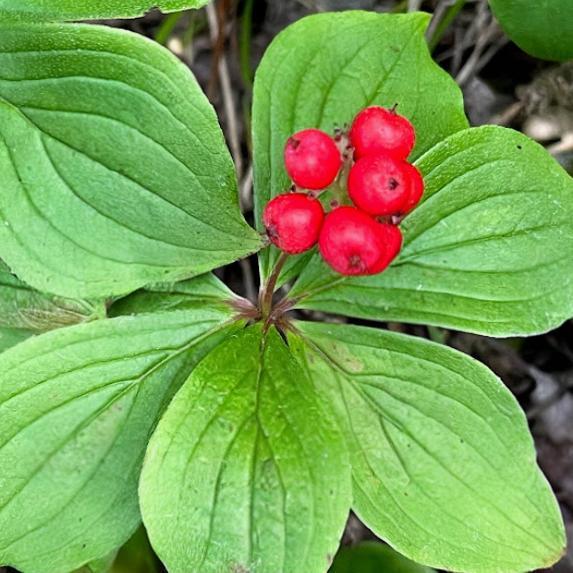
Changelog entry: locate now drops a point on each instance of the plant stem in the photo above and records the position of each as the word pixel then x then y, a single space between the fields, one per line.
pixel 266 298
pixel 401 6
pixel 440 28
pixel 167 27
pixel 245 44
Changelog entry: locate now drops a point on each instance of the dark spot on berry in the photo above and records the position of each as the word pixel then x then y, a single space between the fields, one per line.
pixel 272 232
pixel 393 183
pixel 355 262
pixel 293 142
pixel 519 147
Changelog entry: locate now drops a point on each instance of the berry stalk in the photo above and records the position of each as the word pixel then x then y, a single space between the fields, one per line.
pixel 268 291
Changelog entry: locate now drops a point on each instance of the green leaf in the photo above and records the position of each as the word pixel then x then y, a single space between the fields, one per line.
pixel 115 173
pixel 101 565
pixel 235 477
pixel 325 68
pixel 77 407
pixel 542 29
pixel 11 336
pixel 195 293
pixel 23 308
pixel 137 556
pixel 443 463
pixel 59 10
pixel 490 249
pixel 25 311
pixel 372 557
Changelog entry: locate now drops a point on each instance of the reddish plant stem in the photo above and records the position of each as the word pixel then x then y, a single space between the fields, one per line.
pixel 266 296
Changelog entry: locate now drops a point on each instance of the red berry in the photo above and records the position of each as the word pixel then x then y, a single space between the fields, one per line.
pixel 379 184
pixel 416 187
pixel 353 243
pixel 312 159
pixel 293 222
pixel 378 129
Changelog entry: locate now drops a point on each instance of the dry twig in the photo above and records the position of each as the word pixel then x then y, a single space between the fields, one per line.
pixel 227 93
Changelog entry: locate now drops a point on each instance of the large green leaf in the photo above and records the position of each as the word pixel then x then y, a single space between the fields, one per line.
pixel 22 307
pixel 194 293
pixel 77 407
pixel 247 470
pixel 25 311
pixel 372 557
pixel 115 173
pixel 101 565
pixel 322 70
pixel 42 10
pixel 490 250
pixel 443 463
pixel 137 556
pixel 543 29
pixel 11 336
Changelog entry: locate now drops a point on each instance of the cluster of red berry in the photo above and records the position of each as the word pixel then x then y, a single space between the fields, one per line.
pixel 370 163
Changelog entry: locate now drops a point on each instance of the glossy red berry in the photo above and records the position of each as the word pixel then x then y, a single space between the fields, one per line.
pixel 416 188
pixel 353 243
pixel 379 129
pixel 312 159
pixel 293 222
pixel 379 184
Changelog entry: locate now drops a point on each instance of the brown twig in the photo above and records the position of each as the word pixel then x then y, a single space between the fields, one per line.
pixel 226 89
pixel 477 60
pixel 246 190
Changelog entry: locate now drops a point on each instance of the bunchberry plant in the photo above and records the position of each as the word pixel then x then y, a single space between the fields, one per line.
pixel 240 433
pixel 376 178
